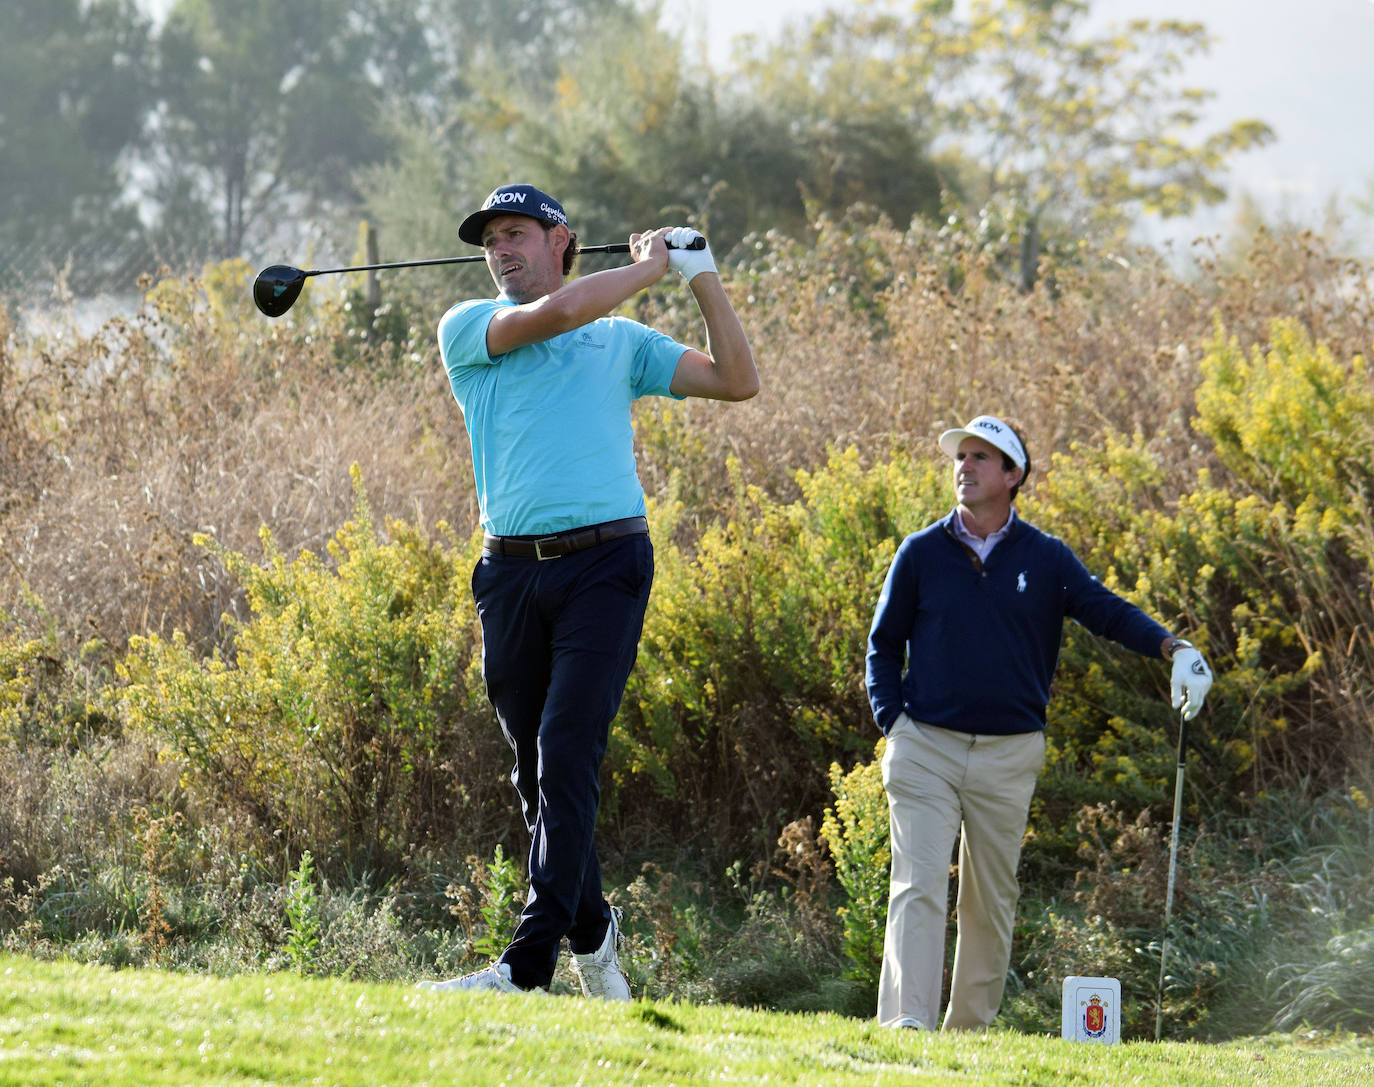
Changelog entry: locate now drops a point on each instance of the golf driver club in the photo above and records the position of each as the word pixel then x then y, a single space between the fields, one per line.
pixel 276 289
pixel 1173 867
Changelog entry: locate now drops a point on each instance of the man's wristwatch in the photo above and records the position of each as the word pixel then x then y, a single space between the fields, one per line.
pixel 1174 645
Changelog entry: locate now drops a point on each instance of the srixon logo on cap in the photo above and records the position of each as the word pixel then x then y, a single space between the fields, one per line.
pixel 503 198
pixel 987 424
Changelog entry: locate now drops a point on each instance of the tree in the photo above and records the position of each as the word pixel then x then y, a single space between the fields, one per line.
pixel 630 132
pixel 266 110
pixel 1070 137
pixel 853 94
pixel 621 132
pixel 75 85
pixel 554 97
pixel 1000 119
pixel 1041 136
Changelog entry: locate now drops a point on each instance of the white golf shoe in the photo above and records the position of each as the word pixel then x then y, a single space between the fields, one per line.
pixel 599 973
pixel 495 977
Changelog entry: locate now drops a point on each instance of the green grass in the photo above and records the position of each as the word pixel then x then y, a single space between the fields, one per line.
pixel 69 1024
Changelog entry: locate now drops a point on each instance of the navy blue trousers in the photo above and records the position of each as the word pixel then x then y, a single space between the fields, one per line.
pixel 559 638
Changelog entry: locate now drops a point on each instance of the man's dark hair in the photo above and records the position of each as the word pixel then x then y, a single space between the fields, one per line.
pixel 569 254
pixel 1008 464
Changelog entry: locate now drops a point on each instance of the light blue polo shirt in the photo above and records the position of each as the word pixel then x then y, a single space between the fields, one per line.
pixel 549 423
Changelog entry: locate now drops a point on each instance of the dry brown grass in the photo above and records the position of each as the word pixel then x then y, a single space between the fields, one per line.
pixel 1108 347
pixel 120 448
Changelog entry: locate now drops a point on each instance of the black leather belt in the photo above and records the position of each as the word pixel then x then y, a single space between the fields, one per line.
pixel 563 543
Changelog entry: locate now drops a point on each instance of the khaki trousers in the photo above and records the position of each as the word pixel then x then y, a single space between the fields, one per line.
pixel 942 784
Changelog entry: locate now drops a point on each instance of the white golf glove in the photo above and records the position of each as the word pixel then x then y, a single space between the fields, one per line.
pixel 688 263
pixel 1192 679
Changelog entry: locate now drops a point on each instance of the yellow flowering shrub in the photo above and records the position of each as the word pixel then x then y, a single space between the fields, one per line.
pixel 1290 419
pixel 750 673
pixel 349 689
pixel 856 830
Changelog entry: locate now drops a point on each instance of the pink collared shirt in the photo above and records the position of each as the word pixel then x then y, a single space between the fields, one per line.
pixel 981 547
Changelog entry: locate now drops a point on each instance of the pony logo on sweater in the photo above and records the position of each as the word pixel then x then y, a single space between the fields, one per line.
pixel 1021 582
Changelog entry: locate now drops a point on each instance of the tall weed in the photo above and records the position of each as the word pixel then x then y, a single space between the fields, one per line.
pixel 303 916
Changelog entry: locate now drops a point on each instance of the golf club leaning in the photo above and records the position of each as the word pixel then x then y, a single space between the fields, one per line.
pixel 276 289
pixel 1173 867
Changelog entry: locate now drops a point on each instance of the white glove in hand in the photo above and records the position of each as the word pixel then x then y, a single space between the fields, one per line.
pixel 689 263
pixel 1192 679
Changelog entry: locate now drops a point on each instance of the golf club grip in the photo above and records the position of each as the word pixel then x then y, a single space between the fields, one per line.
pixel 697 243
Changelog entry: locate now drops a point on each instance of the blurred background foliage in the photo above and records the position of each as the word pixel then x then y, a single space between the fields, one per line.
pixel 230 129
pixel 234 622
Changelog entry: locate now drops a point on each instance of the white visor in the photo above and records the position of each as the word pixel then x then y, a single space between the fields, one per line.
pixel 993 431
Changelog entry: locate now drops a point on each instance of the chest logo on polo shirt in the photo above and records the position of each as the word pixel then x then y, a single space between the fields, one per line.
pixel 587 340
pixel 1021 582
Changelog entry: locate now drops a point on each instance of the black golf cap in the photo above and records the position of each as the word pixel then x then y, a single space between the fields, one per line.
pixel 512 200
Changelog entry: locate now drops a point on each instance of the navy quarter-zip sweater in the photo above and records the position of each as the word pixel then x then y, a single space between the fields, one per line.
pixel 980 641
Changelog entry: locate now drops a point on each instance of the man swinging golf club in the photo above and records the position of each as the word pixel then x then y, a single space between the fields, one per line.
pixel 962 650
pixel 545 379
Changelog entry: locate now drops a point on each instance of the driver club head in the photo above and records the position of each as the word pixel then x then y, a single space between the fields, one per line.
pixel 277 288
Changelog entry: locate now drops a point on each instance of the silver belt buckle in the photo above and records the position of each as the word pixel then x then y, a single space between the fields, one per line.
pixel 539 548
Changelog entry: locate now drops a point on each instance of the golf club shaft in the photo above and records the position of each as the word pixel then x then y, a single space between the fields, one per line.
pixel 614 247
pixel 276 288
pixel 1173 867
